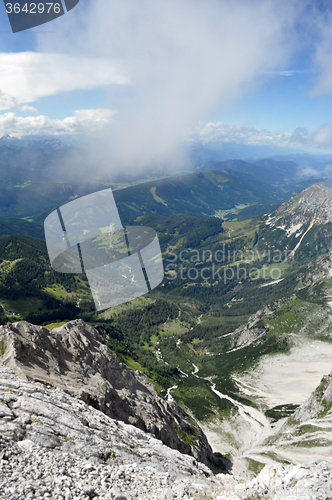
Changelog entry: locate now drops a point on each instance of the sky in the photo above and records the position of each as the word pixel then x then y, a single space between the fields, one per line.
pixel 139 81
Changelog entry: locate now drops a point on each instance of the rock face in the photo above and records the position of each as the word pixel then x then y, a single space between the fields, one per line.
pixel 75 359
pixel 55 420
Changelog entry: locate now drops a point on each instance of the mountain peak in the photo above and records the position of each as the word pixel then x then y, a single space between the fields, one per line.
pixel 314 204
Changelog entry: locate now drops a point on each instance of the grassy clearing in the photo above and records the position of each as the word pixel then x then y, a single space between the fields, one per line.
pixel 23 305
pixel 26 184
pixel 292 316
pixel 254 465
pixel 133 364
pixel 2 347
pixel 313 443
pixel 221 321
pixel 58 291
pixel 156 197
pixel 138 303
pixel 154 339
pixel 273 271
pixel 172 328
pixel 9 265
pixel 236 226
pixel 205 404
pixel 231 212
pixel 51 326
pixel 306 428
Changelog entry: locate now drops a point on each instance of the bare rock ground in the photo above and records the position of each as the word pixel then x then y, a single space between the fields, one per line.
pixel 54 444
pixel 75 358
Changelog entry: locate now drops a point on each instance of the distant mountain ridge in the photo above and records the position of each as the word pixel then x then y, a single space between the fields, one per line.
pixel 284 175
pixel 33 143
pixel 34 180
pixel 200 193
pixel 12 226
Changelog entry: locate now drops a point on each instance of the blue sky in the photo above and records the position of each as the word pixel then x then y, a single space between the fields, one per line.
pixel 156 75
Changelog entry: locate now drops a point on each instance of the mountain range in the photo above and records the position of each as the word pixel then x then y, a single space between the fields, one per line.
pixel 34 181
pixel 222 362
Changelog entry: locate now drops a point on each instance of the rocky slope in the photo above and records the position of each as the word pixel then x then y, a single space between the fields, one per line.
pixel 75 359
pixel 53 445
pixel 35 419
pixel 314 202
pixel 319 403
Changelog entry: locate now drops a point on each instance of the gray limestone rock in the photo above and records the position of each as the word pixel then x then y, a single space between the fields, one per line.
pixel 58 421
pixel 75 358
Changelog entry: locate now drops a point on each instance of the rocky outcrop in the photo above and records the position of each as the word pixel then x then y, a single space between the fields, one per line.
pixel 32 413
pixel 53 445
pixel 318 404
pixel 248 334
pixel 74 358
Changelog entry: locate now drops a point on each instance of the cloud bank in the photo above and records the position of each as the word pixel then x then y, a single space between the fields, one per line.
pixel 175 61
pixel 184 57
pixel 83 122
pixel 220 132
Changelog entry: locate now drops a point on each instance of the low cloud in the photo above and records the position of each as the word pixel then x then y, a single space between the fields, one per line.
pixel 220 132
pixel 185 57
pixel 82 122
pixel 321 138
pixel 300 137
pixel 175 61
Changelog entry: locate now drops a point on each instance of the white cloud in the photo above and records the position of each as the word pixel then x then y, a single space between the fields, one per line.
pixel 323 57
pixel 301 137
pixel 220 132
pixel 28 109
pixel 287 72
pixel 83 121
pixel 186 57
pixel 323 136
pixel 27 76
